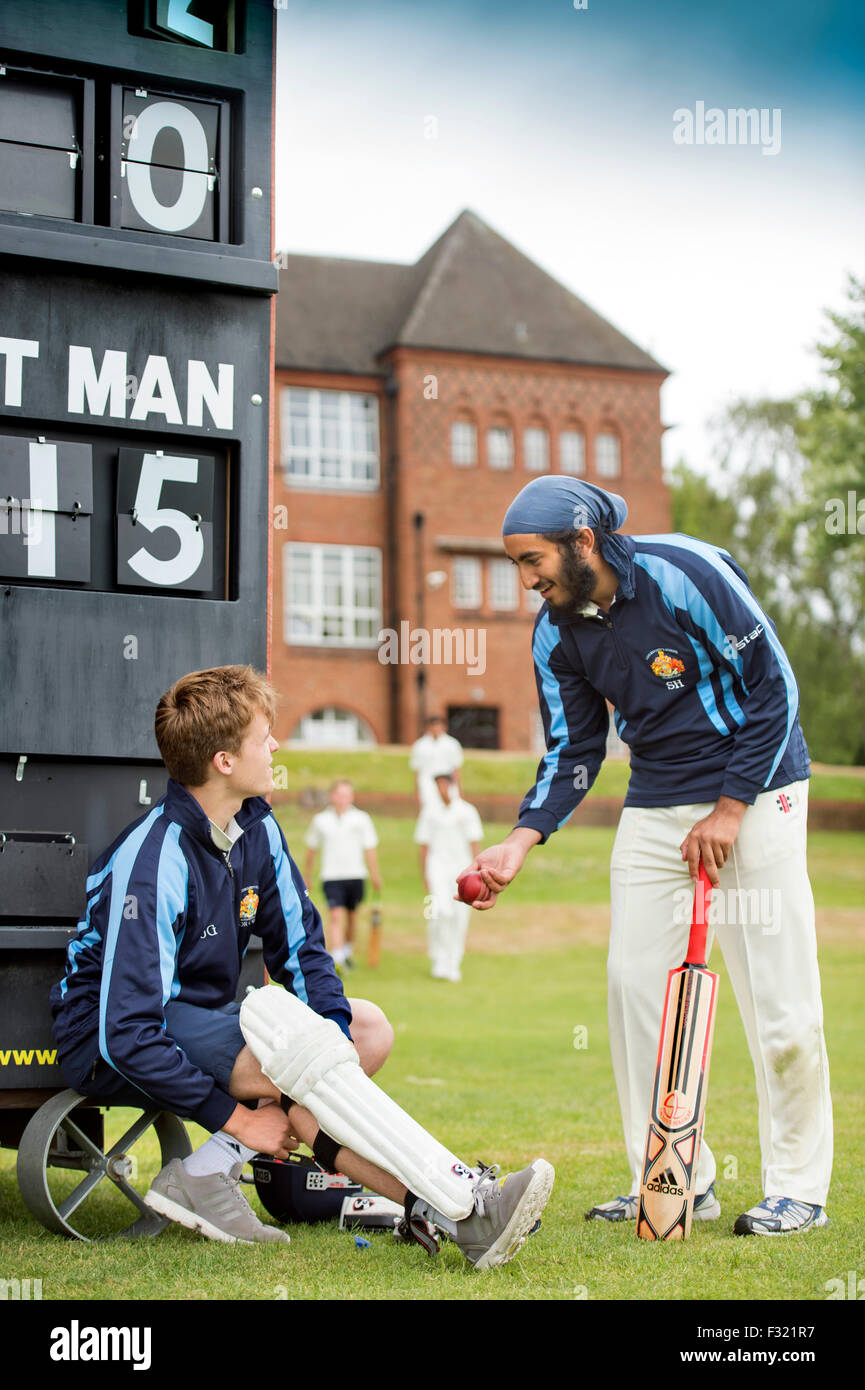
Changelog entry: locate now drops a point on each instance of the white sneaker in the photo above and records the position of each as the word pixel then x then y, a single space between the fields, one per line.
pixel 706 1208
pixel 779 1216
pixel 619 1209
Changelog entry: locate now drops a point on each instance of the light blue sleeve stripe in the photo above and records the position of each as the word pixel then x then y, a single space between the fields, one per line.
pixel 292 909
pixel 678 590
pixel 120 865
pixel 729 696
pixel 704 686
pixel 172 898
pixel 545 641
pixel 729 576
pixel 80 944
pixel 94 880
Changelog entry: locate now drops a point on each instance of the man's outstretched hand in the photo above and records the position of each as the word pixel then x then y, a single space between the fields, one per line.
pixel 500 864
pixel 711 839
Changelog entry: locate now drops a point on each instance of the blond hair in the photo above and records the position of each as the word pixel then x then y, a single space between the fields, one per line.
pixel 209 712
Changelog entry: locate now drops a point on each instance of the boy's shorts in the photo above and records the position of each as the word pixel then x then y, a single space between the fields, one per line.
pixel 344 892
pixel 210 1038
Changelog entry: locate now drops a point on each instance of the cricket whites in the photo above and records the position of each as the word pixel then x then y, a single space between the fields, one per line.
pixel 678 1102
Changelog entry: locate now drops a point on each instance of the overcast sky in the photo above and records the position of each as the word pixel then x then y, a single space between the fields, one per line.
pixel 556 124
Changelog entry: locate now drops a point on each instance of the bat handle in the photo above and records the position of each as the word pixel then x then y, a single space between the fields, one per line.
pixel 699 921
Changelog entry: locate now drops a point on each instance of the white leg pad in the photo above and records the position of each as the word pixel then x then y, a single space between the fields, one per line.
pixel 310 1059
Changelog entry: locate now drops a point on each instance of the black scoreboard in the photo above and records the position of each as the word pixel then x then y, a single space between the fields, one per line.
pixel 136 305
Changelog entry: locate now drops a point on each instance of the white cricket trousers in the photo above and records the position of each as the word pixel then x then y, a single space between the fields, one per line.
pixel 447 921
pixel 762 916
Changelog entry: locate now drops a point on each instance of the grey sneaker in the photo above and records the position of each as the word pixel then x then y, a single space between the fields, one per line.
pixel 505 1211
pixel 213 1205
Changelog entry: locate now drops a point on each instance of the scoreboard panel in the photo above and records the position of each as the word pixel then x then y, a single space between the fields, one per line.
pixel 136 317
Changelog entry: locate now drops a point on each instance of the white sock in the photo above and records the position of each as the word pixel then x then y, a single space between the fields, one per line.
pixel 338 954
pixel 218 1154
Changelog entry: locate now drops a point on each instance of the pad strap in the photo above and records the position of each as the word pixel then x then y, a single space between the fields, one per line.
pixel 325 1151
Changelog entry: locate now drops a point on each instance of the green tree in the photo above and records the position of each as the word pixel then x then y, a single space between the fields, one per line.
pixel 831 435
pixel 699 509
pixel 790 478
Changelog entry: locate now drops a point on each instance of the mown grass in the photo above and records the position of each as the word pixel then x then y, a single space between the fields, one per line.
pixel 486 773
pixel 491 1067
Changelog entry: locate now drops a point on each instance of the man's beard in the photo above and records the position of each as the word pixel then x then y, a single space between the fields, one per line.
pixel 578 577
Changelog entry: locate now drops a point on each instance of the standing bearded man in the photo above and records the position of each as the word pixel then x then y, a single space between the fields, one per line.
pixel 668 631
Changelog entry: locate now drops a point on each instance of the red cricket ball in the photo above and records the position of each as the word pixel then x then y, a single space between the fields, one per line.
pixel 469 887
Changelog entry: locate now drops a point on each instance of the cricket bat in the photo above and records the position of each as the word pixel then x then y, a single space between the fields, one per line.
pixel 678 1103
pixel 373 954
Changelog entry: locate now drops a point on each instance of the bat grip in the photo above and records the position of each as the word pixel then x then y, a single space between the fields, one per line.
pixel 696 954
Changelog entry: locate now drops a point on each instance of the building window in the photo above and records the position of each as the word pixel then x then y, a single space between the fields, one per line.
pixel 536 443
pixel 572 452
pixel 608 456
pixel 332 595
pixel 330 439
pixel 464 443
pixel 504 586
pixel 467 582
pixel 500 447
pixel 332 728
pixel 476 726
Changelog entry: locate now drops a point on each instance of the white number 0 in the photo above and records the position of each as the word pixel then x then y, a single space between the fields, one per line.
pixel 156 470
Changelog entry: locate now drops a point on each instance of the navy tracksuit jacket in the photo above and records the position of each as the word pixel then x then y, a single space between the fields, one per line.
pixel 152 899
pixel 702 691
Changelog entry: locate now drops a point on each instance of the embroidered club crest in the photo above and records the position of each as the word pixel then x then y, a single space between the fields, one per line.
pixel 248 905
pixel 665 664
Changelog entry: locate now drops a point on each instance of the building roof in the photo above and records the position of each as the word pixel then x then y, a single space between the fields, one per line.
pixel 472 291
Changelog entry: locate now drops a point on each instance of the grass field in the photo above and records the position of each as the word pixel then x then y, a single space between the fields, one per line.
pixel 491 1067
pixel 488 773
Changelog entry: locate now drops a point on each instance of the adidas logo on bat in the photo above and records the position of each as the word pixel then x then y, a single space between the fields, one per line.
pixel 666 1184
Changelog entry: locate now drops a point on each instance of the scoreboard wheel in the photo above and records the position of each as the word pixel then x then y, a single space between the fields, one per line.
pixel 56 1147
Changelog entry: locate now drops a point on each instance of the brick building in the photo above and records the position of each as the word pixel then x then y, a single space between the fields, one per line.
pixel 413 402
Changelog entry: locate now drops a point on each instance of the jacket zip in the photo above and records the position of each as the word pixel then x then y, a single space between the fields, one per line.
pixel 608 623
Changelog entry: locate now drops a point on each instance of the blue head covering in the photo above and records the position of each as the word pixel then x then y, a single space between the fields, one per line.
pixel 558 503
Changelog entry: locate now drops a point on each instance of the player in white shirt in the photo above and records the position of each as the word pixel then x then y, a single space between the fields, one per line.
pixel 448 829
pixel 347 839
pixel 433 752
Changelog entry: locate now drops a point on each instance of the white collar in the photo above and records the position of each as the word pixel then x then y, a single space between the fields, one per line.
pixel 224 839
